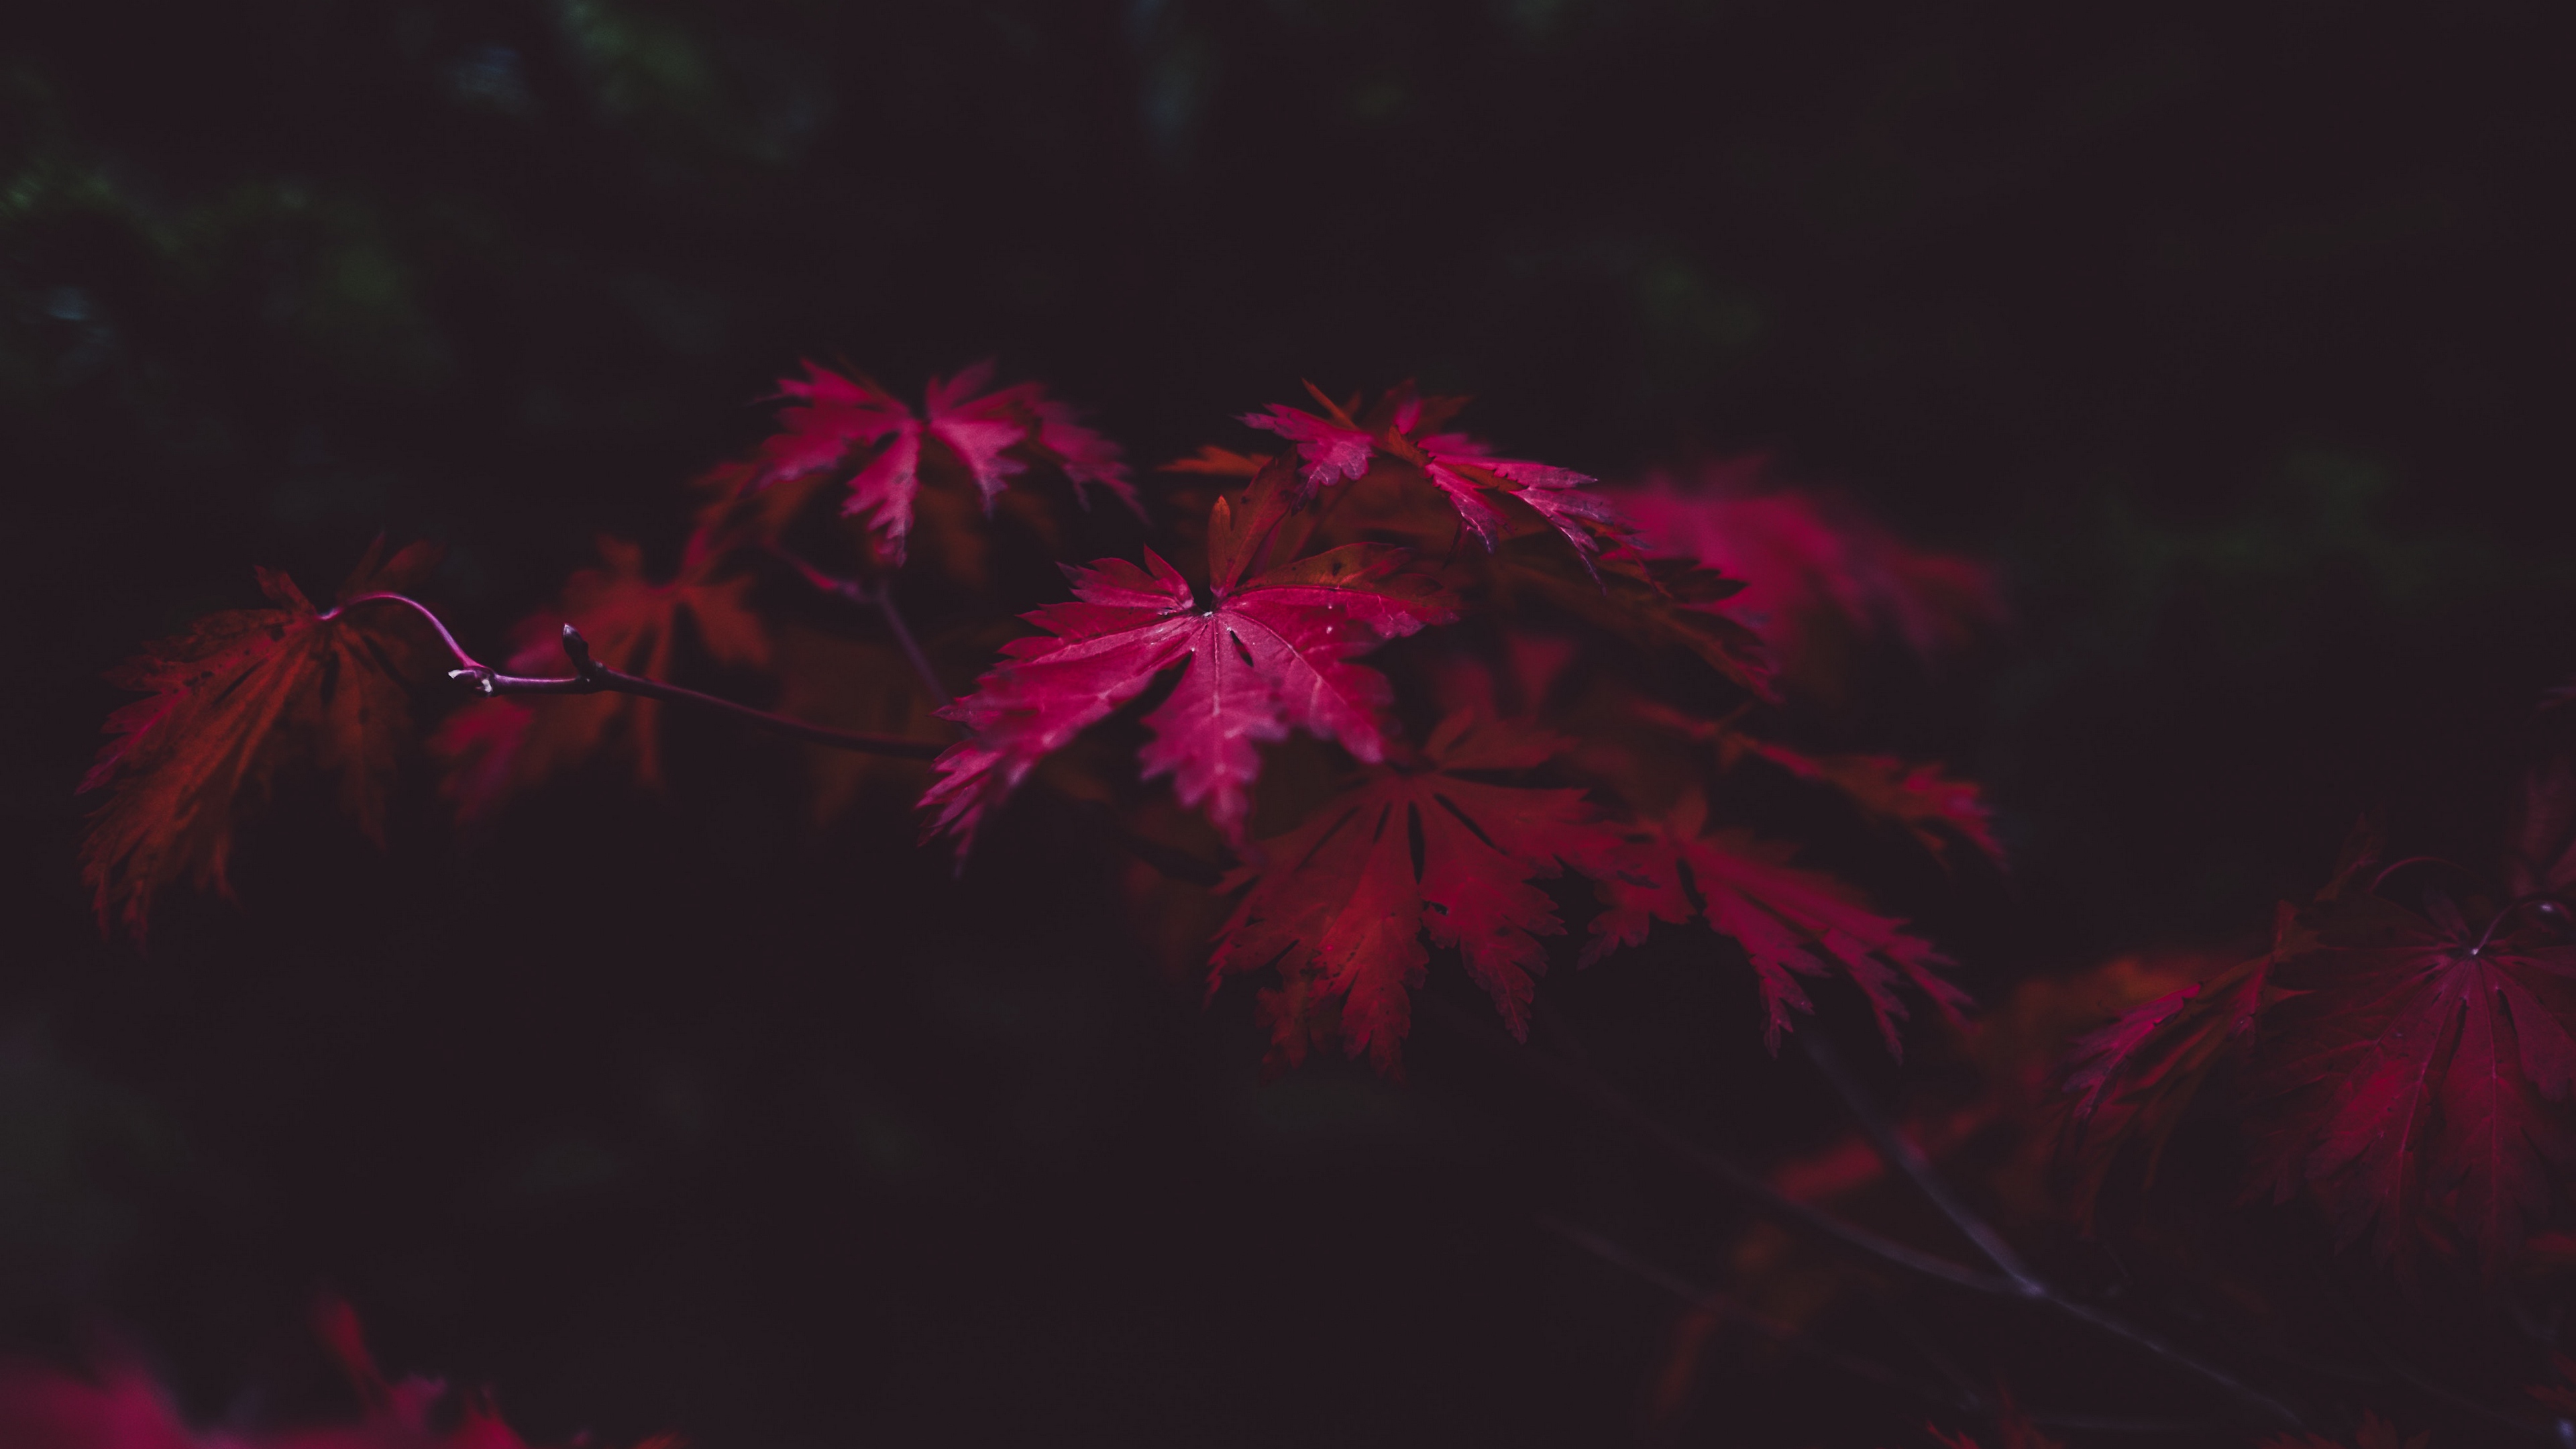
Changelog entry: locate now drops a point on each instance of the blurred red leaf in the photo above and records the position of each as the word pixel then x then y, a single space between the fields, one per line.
pixel 1812 563
pixel 237 695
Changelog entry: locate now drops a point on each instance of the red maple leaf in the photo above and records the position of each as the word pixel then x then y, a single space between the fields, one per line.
pixel 123 1408
pixel 1345 900
pixel 498 747
pixel 2414 1075
pixel 992 435
pixel 1467 470
pixel 1341 448
pixel 230 700
pixel 1268 654
pixel 1790 922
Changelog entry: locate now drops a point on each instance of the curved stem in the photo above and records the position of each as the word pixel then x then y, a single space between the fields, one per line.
pixel 463 659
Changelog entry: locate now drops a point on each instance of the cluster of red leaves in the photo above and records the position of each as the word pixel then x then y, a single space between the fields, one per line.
pixel 122 1407
pixel 1373 524
pixel 1429 857
pixel 945 469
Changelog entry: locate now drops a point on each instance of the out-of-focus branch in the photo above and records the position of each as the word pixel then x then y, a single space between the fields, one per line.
pixel 1904 1155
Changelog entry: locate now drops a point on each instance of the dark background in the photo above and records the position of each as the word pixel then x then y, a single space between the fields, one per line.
pixel 2240 335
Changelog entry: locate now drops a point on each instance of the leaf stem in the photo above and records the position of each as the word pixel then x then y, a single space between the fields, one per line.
pixel 416 606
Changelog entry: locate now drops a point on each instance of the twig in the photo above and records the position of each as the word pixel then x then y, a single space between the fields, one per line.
pixel 589 676
pixel 2028 1285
